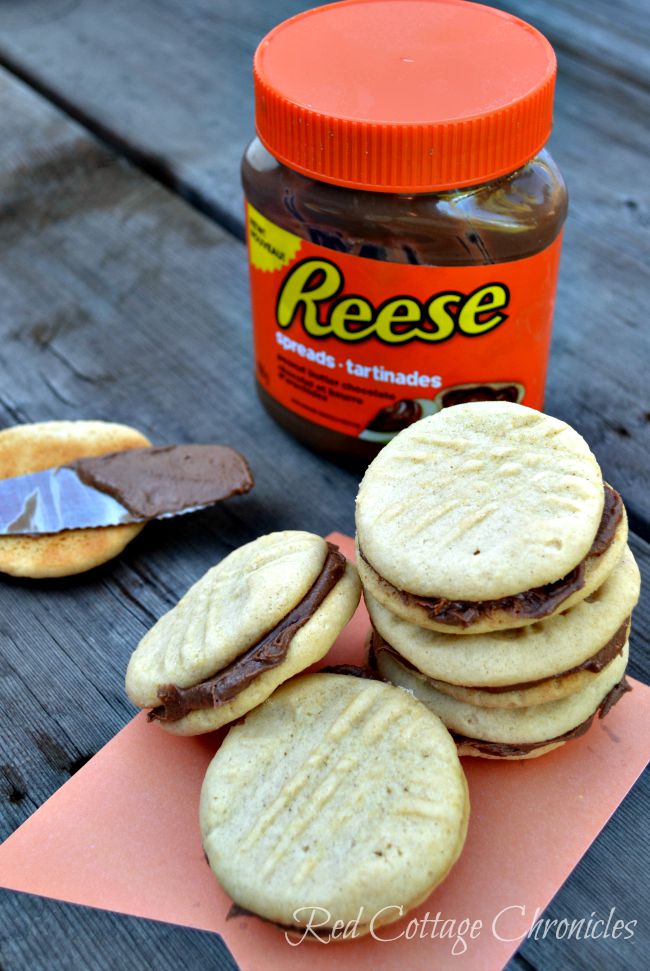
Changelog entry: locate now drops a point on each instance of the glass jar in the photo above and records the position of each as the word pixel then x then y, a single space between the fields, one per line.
pixel 402 260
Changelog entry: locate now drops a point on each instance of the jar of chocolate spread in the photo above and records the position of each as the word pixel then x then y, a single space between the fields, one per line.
pixel 404 218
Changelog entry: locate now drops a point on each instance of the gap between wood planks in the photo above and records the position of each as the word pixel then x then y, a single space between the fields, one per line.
pixel 149 163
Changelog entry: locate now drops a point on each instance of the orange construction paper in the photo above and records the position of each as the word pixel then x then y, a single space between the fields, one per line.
pixel 122 834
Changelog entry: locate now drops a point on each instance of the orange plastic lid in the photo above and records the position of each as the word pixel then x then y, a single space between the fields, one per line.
pixel 404 95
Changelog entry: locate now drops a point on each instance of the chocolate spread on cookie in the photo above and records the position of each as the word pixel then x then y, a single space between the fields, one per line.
pixel 268 653
pixel 536 603
pixel 352 670
pixel 612 512
pixel 594 664
pixel 377 644
pixel 503 749
pixel 152 481
pixel 613 696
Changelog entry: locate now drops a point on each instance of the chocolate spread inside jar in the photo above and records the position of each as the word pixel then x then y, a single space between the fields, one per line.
pixel 390 279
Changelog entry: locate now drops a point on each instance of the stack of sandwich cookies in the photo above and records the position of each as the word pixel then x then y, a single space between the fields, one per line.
pixel 265 613
pixel 497 576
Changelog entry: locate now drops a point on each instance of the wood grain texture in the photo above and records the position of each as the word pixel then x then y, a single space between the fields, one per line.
pixel 606 35
pixel 99 939
pixel 169 85
pixel 120 302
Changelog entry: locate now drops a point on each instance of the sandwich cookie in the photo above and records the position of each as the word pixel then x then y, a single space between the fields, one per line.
pixel 526 666
pixel 513 733
pixel 267 611
pixel 338 799
pixel 33 448
pixel 486 516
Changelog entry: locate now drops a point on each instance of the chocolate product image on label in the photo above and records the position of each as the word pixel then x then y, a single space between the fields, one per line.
pixel 481 392
pixel 396 416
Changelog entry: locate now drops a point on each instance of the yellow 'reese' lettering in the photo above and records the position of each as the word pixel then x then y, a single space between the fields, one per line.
pixel 351 310
pixel 493 297
pixel 402 311
pixel 439 315
pixel 354 318
pixel 302 287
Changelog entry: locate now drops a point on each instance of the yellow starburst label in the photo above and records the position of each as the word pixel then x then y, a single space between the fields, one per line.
pixel 271 248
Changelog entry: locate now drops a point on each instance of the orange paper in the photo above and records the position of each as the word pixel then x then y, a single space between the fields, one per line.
pixel 123 835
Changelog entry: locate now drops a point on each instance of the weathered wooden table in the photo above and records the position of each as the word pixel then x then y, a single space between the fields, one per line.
pixel 124 297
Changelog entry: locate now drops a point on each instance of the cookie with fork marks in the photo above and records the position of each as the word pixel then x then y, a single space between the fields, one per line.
pixel 338 799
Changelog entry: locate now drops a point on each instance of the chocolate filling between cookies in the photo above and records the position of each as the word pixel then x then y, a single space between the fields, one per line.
pixel 534 604
pixel 593 664
pixel 503 749
pixel 377 644
pixel 269 652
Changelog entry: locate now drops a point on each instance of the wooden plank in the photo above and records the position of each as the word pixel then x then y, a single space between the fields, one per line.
pixel 122 303
pixel 119 302
pixel 120 66
pixel 612 36
pixel 199 53
pixel 99 939
pixel 170 84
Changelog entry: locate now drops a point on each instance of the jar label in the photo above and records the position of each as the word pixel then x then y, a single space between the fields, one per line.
pixel 365 347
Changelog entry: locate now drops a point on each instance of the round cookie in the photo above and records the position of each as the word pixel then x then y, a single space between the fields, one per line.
pixel 238 608
pixel 32 448
pixel 479 502
pixel 543 651
pixel 338 793
pixel 520 696
pixel 543 724
pixel 597 569
pixel 551 689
